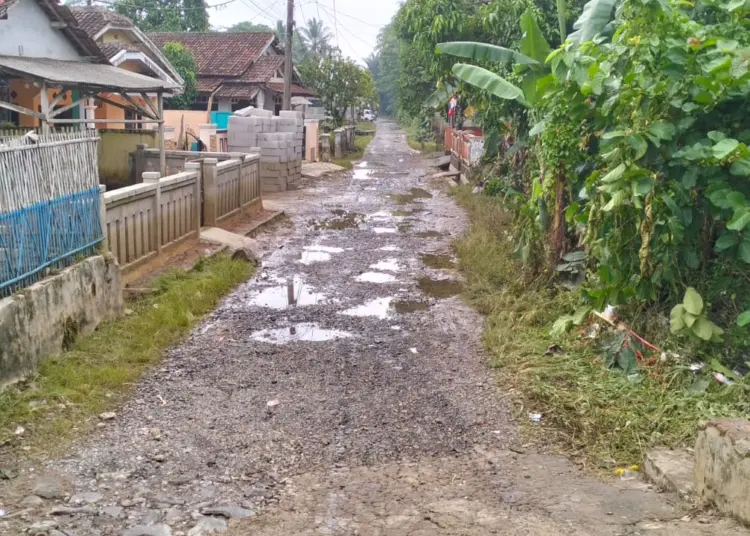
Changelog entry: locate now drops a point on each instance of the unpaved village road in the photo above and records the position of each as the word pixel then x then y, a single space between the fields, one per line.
pixel 366 409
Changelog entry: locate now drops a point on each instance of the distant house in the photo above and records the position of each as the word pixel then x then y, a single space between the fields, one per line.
pixel 237 69
pixel 53 72
pixel 125 47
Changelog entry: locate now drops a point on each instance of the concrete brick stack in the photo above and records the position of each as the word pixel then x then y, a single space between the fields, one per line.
pixel 279 140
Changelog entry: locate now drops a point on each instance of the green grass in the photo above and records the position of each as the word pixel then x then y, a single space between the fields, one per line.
pixel 597 413
pixel 98 372
pixel 365 125
pixel 361 143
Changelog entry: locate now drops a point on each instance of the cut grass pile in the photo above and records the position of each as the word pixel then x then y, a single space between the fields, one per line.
pixel 97 373
pixel 598 413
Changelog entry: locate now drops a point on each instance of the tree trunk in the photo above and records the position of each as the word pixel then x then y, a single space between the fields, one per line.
pixel 557 236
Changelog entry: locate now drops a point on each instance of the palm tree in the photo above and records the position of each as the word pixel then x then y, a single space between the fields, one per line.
pixel 318 37
pixel 299 46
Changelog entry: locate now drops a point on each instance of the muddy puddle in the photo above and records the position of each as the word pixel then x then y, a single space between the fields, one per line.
pixel 294 293
pixel 310 257
pixel 363 174
pixel 384 230
pixel 438 262
pixel 378 308
pixel 305 331
pixel 414 194
pixel 341 219
pixel 429 234
pixel 439 288
pixel 375 277
pixel 409 306
pixel 406 213
pixel 405 227
pixel 387 265
pixel 390 248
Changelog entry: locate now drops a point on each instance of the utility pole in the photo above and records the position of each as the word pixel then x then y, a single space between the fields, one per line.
pixel 287 104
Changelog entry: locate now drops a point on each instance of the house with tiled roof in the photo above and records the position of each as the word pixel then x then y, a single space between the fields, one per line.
pixel 53 72
pixel 126 47
pixel 236 69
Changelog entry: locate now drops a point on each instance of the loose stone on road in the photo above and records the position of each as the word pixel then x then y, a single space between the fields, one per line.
pixel 344 390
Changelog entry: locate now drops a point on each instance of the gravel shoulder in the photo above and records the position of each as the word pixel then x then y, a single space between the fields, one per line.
pixel 364 407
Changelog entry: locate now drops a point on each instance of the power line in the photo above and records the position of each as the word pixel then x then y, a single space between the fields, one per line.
pixel 348 31
pixel 154 4
pixel 353 17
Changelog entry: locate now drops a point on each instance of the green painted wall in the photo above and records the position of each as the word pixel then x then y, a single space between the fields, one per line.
pixel 115 148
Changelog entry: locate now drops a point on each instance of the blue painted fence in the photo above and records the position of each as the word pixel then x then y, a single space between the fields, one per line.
pixel 49 207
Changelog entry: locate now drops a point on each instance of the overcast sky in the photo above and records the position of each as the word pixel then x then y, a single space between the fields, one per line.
pixel 357 21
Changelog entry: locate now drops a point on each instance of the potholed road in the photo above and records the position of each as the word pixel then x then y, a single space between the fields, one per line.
pixel 365 406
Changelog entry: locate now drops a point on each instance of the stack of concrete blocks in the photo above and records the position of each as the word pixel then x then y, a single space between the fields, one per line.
pixel 279 140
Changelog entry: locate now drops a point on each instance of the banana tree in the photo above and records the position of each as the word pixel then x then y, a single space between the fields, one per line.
pixel 534 50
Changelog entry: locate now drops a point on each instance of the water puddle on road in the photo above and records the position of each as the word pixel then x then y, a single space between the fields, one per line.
pixel 375 277
pixel 429 234
pixel 414 194
pixel 326 249
pixel 305 331
pixel 363 175
pixel 291 293
pixel 410 306
pixel 439 288
pixel 341 220
pixel 362 164
pixel 438 262
pixel 380 216
pixel 384 230
pixel 405 227
pixel 309 257
pixel 390 248
pixel 405 213
pixel 388 265
pixel 378 308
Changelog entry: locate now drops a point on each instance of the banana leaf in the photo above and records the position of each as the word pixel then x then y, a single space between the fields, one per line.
pixel 484 51
pixel 489 81
pixel 596 15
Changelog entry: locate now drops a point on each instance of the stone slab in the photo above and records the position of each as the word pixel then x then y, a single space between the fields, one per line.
pixel 315 170
pixel 671 470
pixel 232 241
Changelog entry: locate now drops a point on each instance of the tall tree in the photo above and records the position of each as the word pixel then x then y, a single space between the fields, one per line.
pixel 299 47
pixel 318 37
pixel 184 62
pixel 339 83
pixel 247 26
pixel 166 15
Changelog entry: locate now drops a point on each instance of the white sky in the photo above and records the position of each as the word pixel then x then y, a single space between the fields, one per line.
pixel 357 21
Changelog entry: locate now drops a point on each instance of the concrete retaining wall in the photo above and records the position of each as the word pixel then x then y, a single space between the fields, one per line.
pixel 45 318
pixel 722 466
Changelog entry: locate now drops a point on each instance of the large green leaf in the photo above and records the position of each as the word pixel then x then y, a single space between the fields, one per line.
pixel 533 43
pixel 693 302
pixel 487 80
pixel 744 319
pixel 485 52
pixel 724 148
pixel 596 15
pixel 703 328
pixel 740 220
pixel 440 97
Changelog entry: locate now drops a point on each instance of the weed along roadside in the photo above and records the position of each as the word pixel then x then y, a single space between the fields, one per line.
pixel 69 390
pixel 608 416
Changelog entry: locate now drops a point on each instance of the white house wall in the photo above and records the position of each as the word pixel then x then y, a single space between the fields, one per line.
pixel 28 32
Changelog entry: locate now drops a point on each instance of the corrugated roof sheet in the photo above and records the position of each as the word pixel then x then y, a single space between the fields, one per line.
pixel 79 73
pixel 219 53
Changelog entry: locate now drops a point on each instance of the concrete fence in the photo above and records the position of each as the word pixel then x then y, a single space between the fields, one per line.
pixel 146 159
pixel 145 220
pixel 142 220
pixel 230 187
